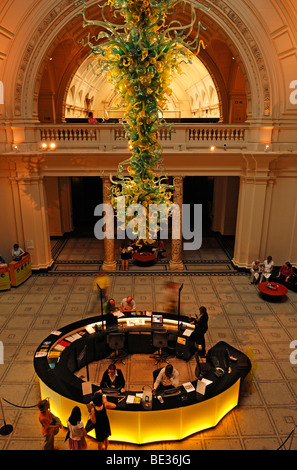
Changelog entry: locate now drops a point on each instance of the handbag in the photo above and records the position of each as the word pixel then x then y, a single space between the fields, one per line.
pixel 89 426
pixel 55 422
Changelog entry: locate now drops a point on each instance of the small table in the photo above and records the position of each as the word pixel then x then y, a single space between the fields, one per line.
pixel 277 292
pixel 144 258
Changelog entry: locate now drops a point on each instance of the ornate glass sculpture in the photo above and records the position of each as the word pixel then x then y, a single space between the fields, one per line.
pixel 139 50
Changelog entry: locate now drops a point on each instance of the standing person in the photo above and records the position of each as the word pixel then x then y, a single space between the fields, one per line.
pixel 267 268
pixel 160 249
pixel 255 271
pixel 109 307
pixel 171 297
pixel 100 419
pixel 128 304
pixel 102 283
pixel 201 327
pixel 50 424
pixel 91 119
pixel 77 432
pixel 125 256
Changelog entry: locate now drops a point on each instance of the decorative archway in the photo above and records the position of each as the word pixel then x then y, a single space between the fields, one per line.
pixel 221 21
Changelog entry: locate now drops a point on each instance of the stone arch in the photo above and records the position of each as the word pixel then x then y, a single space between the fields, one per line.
pixel 230 26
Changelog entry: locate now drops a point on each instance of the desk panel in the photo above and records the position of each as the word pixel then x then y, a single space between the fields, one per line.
pixel 143 427
pixel 4 277
pixel 20 271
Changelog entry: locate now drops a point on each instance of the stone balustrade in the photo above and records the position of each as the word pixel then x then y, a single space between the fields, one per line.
pixel 101 136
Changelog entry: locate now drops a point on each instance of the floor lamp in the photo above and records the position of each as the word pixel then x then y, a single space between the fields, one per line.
pixel 178 308
pixel 7 428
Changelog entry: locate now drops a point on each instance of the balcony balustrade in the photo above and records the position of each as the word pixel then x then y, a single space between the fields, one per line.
pixel 112 136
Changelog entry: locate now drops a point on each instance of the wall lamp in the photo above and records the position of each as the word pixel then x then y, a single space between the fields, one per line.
pixel 52 146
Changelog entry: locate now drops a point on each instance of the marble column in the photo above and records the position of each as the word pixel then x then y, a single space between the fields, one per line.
pixel 176 264
pixel 31 209
pixel 109 262
pixel 250 230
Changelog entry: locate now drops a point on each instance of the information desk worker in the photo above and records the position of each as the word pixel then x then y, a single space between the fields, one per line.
pixel 109 306
pixel 128 305
pixel 168 377
pixel 113 378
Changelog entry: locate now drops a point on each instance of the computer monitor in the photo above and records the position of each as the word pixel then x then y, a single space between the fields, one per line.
pixel 157 319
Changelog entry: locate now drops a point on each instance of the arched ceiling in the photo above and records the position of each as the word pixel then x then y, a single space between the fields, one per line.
pixel 64 74
pixel 193 92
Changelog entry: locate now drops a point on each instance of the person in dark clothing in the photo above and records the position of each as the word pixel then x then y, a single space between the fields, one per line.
pixel 100 419
pixel 201 327
pixel 113 378
pixel 285 274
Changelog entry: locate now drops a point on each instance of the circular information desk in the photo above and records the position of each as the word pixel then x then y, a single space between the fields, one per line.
pixel 272 290
pixel 74 346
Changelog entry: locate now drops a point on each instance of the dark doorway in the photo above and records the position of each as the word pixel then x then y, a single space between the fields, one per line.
pixel 199 190
pixel 86 195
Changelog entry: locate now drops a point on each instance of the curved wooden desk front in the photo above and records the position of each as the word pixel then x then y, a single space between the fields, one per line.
pixel 76 345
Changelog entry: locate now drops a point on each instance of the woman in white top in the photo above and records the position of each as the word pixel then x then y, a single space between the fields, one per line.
pixel 267 268
pixel 77 432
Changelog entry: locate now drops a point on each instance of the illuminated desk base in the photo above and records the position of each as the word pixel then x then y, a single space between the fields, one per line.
pixel 142 427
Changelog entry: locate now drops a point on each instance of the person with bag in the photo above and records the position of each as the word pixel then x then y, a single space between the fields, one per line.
pixel 76 431
pixel 50 424
pixel 100 419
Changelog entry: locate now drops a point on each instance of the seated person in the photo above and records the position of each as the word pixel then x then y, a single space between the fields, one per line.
pixel 285 274
pixel 267 268
pixel 168 377
pixel 109 307
pixel 17 252
pixel 113 378
pixel 2 260
pixel 128 305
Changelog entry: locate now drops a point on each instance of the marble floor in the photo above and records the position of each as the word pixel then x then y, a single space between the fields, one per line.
pixel 267 411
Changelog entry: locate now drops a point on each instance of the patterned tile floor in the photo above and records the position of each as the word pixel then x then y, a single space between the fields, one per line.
pixel 237 314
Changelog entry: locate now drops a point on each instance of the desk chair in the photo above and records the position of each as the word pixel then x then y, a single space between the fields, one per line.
pixel 202 366
pixel 160 341
pixel 116 342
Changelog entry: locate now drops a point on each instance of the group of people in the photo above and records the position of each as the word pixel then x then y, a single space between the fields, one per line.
pixel 128 249
pixel 127 305
pixel 112 378
pixel 76 434
pixel 264 270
